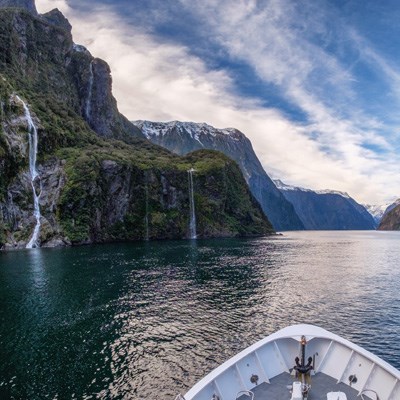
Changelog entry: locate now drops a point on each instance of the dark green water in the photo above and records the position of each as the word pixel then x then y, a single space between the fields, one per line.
pixel 133 321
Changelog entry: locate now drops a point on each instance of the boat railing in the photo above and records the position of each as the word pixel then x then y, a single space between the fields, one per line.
pixel 179 397
pixel 369 391
pixel 245 393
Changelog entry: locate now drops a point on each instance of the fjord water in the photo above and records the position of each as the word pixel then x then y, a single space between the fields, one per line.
pixel 147 320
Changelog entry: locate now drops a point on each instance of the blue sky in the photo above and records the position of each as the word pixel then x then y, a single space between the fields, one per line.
pixel 315 84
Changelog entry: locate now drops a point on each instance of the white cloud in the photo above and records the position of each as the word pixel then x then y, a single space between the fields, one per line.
pixel 44 6
pixel 162 81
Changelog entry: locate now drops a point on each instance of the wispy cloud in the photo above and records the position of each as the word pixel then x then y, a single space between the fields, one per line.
pixel 160 80
pixel 389 72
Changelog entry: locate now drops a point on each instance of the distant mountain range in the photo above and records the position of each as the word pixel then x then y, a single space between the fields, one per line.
pixel 327 209
pixel 378 211
pixel 185 137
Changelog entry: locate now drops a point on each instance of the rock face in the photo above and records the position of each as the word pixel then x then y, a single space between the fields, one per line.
pixel 184 137
pixel 122 201
pixel 40 54
pixel 55 17
pixel 327 210
pixel 97 105
pixel 98 179
pixel 391 218
pixel 25 4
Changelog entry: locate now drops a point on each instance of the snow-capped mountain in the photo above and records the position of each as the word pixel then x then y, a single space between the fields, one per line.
pixel 283 186
pixel 185 137
pixel 378 211
pixel 326 209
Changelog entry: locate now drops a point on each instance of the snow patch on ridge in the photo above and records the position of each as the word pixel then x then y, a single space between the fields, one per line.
pixel 379 210
pixel 376 210
pixel 327 191
pixel 282 186
pixel 194 129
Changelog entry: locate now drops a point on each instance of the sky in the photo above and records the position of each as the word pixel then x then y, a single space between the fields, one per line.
pixel 314 84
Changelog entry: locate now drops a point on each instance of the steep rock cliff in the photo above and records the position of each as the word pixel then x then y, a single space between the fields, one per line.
pixel 98 178
pixel 391 219
pixel 40 56
pixel 28 5
pixel 184 137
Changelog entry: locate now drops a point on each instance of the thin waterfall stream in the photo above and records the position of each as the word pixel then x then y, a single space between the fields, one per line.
pixel 192 213
pixel 33 145
pixel 146 218
pixel 88 108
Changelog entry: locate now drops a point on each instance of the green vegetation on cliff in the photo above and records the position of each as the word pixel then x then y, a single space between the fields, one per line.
pixel 99 179
pixel 113 189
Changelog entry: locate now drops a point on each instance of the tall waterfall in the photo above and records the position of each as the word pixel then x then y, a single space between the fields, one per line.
pixel 192 223
pixel 33 144
pixel 146 218
pixel 88 108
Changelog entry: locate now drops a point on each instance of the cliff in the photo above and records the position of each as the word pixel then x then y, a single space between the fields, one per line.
pixel 184 137
pixel 94 175
pixel 391 219
pixel 327 210
pixel 28 5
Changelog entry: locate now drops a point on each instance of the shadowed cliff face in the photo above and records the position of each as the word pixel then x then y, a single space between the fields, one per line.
pixel 98 178
pixel 92 78
pixel 109 190
pixel 28 5
pixel 184 137
pixel 329 211
pixel 40 55
pixel 391 220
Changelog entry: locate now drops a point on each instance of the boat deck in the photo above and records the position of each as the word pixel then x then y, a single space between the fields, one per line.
pixel 321 384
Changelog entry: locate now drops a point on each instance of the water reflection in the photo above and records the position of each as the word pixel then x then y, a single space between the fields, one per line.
pixel 149 320
pixel 36 265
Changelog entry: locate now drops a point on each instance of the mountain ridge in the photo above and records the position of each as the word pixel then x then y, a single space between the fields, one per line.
pixel 283 186
pixel 184 137
pixel 99 178
pixel 327 209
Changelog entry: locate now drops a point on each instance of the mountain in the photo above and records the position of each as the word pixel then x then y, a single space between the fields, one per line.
pixel 377 211
pixel 73 170
pixel 391 206
pixel 391 218
pixel 185 137
pixel 327 209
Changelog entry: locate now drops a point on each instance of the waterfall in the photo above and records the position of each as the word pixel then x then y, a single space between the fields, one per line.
pixel 88 108
pixel 192 222
pixel 146 218
pixel 33 144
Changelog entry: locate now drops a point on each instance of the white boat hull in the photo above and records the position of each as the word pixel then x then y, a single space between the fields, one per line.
pixel 334 356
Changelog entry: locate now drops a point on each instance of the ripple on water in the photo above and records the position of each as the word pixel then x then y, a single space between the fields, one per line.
pixel 149 320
